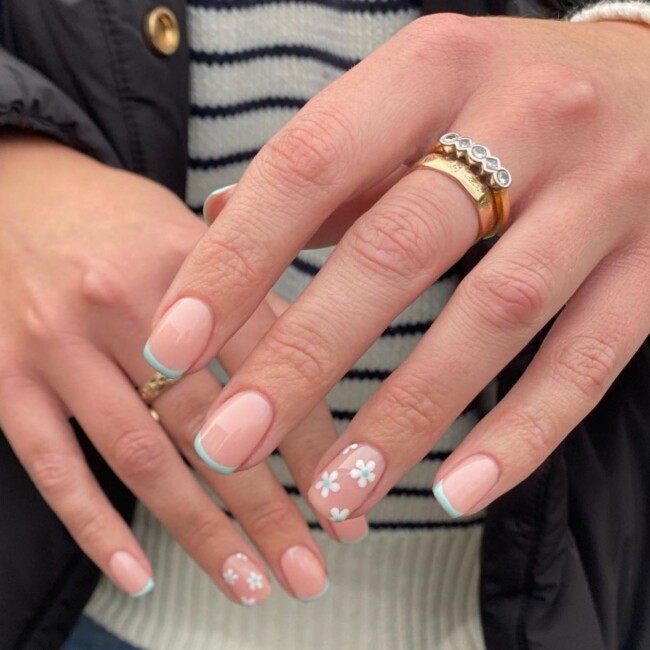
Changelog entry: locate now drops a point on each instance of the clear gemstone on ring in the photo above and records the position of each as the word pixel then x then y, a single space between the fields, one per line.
pixel 491 164
pixel 449 138
pixel 478 152
pixel 464 143
pixel 503 178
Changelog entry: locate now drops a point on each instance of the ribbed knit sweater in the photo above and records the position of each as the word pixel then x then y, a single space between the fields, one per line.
pixel 413 583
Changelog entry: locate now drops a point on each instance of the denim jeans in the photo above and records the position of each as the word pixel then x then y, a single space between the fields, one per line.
pixel 87 635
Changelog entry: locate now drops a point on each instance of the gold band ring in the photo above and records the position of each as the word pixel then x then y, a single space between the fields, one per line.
pixel 157 385
pixel 472 184
pixel 477 171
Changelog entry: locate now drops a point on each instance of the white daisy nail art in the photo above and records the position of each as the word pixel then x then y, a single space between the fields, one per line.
pixel 255 581
pixel 328 483
pixel 337 515
pixel 230 576
pixel 350 448
pixel 248 601
pixel 363 473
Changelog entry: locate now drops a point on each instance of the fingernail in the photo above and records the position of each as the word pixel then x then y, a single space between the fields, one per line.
pixel 229 436
pixel 467 484
pixel 352 531
pixel 130 575
pixel 180 337
pixel 304 573
pixel 247 583
pixel 213 195
pixel 347 481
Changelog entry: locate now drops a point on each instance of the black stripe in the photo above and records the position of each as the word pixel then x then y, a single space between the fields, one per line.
pixel 431 456
pixel 395 492
pixel 406 525
pixel 342 414
pixel 361 375
pixel 273 51
pixel 261 104
pixel 361 6
pixel 223 161
pixel 407 328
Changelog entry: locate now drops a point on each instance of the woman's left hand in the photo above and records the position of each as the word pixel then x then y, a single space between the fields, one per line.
pixel 567 109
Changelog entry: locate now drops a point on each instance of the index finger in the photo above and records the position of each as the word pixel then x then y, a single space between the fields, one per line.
pixel 336 145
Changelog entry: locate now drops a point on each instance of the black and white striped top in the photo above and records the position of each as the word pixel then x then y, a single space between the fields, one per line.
pixel 413 584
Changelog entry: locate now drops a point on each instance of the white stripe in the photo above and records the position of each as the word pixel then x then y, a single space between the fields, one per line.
pixel 222 136
pixel 248 80
pixel 201 182
pixel 351 35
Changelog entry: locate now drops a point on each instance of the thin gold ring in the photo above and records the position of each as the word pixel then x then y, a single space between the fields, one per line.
pixel 153 388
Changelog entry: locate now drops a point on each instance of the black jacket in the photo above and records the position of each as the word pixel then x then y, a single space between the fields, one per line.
pixel 565 563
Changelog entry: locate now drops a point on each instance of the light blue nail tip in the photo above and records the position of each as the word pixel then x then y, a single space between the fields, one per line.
pixel 213 194
pixel 156 365
pixel 203 454
pixel 439 493
pixel 317 596
pixel 147 588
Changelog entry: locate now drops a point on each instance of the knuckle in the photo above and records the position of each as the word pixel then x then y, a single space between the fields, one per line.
pixel 269 517
pixel 307 152
pixel 413 409
pixel 104 284
pixel 456 38
pixel 303 348
pixel 204 532
pixel 396 243
pixel 237 256
pixel 92 529
pixel 589 364
pixel 533 436
pixel 139 454
pixel 565 94
pixel 512 295
pixel 55 473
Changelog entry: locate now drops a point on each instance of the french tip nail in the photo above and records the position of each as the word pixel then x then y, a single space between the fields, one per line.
pixel 214 194
pixel 145 590
pixel 439 493
pixel 203 455
pixel 311 599
pixel 156 365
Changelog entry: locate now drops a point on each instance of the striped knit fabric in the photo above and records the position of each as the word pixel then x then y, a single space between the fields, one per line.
pixel 413 584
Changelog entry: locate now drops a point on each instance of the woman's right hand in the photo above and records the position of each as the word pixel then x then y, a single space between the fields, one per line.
pixel 86 253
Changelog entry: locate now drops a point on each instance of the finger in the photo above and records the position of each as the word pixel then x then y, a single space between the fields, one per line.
pixel 255 499
pixel 306 443
pixel 303 448
pixel 46 446
pixel 335 225
pixel 589 345
pixel 334 146
pixel 122 430
pixel 518 286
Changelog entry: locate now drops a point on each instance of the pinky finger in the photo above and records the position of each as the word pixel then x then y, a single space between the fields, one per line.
pixel 41 437
pixel 593 339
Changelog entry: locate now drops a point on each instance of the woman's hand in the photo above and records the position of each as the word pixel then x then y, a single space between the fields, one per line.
pixel 566 107
pixel 85 255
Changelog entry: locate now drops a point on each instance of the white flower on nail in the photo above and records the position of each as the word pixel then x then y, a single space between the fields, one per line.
pixel 249 602
pixel 350 448
pixel 241 556
pixel 255 581
pixel 328 483
pixel 337 515
pixel 230 577
pixel 363 473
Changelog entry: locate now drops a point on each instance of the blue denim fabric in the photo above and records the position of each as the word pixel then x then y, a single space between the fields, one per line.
pixel 87 635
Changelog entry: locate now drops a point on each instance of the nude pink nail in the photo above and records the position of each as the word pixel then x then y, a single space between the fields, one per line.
pixel 180 337
pixel 247 582
pixel 351 531
pixel 347 482
pixel 230 435
pixel 467 484
pixel 129 574
pixel 304 573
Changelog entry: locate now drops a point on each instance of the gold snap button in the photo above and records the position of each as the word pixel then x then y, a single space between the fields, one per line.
pixel 161 31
